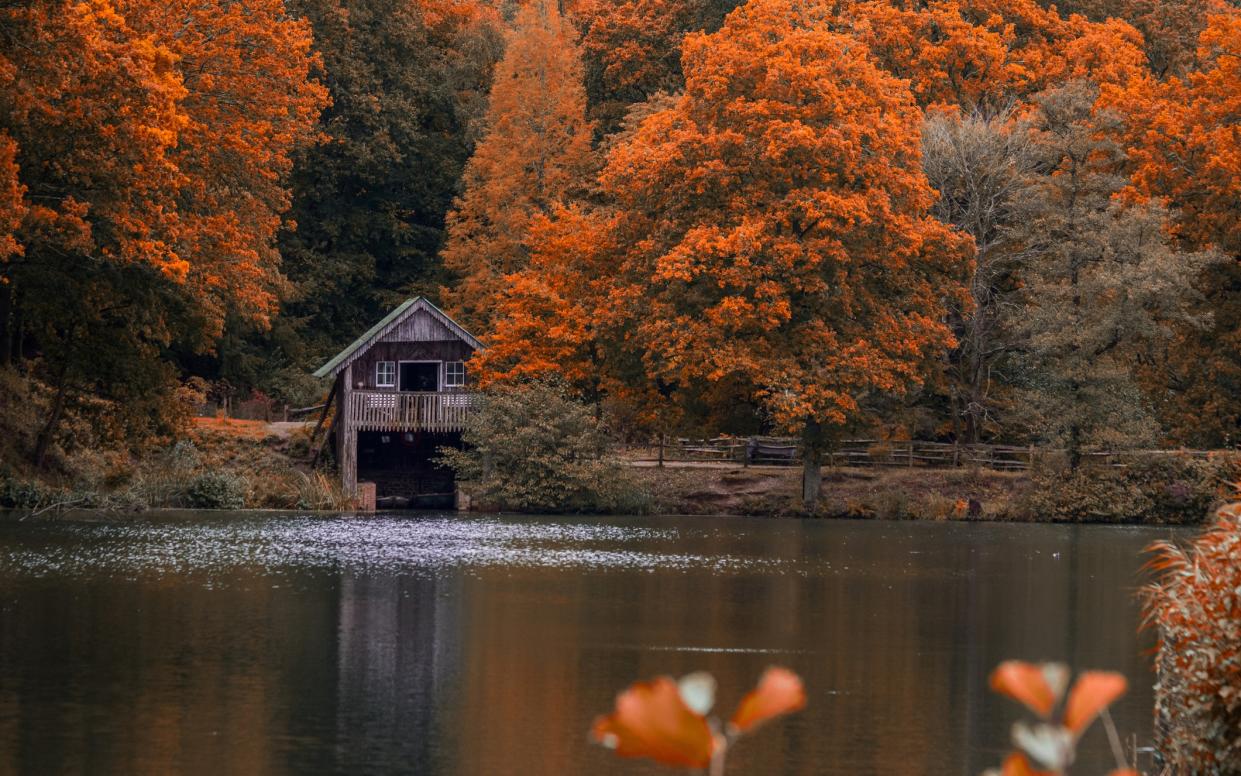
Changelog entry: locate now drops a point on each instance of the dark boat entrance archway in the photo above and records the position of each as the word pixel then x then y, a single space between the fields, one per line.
pixel 406 469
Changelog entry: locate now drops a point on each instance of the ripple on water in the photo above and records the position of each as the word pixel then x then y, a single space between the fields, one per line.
pixel 378 544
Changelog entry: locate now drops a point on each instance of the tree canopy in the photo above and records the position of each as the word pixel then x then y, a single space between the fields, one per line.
pixel 966 219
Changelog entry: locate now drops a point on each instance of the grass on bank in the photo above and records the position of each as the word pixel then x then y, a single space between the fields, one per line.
pixel 220 464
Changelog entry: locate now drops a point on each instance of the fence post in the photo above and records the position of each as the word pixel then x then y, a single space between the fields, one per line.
pixel 911 453
pixel 661 450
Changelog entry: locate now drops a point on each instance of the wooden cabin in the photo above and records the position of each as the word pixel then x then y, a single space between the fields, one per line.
pixel 401 394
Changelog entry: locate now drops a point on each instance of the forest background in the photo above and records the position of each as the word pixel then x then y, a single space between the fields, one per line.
pixel 984 220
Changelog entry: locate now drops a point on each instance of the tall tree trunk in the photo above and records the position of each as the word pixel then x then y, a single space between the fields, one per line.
pixel 812 464
pixel 1075 429
pixel 44 441
pixel 6 329
pixel 18 334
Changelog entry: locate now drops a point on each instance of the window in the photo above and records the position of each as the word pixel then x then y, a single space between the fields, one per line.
pixel 385 374
pixel 454 374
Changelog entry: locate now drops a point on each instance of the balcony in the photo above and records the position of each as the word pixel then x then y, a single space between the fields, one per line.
pixel 392 411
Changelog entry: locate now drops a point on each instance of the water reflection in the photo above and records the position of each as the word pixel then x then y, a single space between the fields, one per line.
pixel 451 646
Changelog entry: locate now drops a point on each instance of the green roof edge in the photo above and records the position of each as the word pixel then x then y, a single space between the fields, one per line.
pixel 373 331
pixel 327 368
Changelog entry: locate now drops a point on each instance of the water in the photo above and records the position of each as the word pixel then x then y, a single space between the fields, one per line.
pixel 260 644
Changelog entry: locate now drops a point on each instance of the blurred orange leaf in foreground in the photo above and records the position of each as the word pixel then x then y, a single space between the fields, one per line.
pixel 1038 687
pixel 1052 744
pixel 779 691
pixel 666 721
pixel 652 720
pixel 1093 692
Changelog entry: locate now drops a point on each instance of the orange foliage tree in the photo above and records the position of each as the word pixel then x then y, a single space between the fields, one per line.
pixel 249 103
pixel 982 55
pixel 1186 151
pixel 632 48
pixel 1170 28
pixel 550 314
pixel 148 142
pixel 772 230
pixel 536 153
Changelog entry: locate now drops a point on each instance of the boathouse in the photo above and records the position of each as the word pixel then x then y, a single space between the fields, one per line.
pixel 401 394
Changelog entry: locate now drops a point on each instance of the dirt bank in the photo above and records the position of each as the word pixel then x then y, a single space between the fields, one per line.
pixel 926 494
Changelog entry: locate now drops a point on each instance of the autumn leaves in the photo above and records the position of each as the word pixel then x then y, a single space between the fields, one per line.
pixel 767 230
pixel 703 214
pixel 667 720
pixel 144 151
pixel 759 235
pixel 157 134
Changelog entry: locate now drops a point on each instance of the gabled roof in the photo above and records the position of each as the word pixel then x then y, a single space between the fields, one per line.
pixel 390 321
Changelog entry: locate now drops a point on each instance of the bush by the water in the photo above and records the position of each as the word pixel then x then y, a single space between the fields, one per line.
pixel 217 490
pixel 1195 605
pixel 1174 489
pixel 531 448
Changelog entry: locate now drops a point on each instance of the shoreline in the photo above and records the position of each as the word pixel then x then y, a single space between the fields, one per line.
pixel 232 465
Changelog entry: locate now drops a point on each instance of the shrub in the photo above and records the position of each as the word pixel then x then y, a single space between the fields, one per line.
pixel 1195 606
pixel 531 448
pixel 892 504
pixel 23 494
pixel 1176 489
pixel 217 490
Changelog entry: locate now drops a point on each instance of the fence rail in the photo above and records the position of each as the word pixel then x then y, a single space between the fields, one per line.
pixel 391 411
pixel 882 453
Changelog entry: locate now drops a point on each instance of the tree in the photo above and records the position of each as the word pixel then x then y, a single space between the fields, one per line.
pixel 1185 150
pixel 985 55
pixel 250 103
pixel 1101 282
pixel 1170 28
pixel 632 49
pixel 548 315
pixel 774 228
pixel 979 165
pixel 408 81
pixel 535 154
pixel 135 133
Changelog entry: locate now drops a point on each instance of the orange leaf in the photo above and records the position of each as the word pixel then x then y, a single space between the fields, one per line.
pixel 1016 764
pixel 652 720
pixel 1124 772
pixel 1025 683
pixel 779 691
pixel 1091 694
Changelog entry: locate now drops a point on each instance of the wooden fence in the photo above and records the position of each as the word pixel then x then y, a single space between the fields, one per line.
pixel 781 451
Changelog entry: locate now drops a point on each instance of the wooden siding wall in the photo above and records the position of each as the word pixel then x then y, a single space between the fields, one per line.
pixel 364 366
pixel 420 337
pixel 420 327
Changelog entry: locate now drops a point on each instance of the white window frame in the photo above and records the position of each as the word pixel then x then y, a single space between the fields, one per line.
pixel 379 382
pixel 448 375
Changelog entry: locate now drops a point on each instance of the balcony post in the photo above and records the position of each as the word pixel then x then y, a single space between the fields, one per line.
pixel 347 434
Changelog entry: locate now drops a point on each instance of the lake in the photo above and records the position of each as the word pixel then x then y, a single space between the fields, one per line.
pixel 206 643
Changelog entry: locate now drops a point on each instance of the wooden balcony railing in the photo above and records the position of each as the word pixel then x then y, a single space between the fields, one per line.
pixel 391 411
